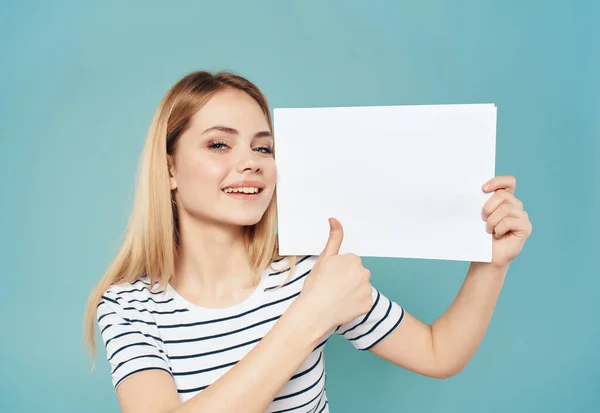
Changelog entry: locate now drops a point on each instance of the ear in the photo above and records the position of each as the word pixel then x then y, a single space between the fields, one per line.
pixel 171 166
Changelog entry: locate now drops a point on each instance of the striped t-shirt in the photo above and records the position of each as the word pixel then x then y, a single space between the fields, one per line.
pixel 145 328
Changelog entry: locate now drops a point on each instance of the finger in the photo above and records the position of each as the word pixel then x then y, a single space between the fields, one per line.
pixel 336 235
pixel 502 212
pixel 506 182
pixel 521 227
pixel 500 197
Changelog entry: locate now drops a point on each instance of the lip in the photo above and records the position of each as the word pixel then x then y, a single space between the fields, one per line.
pixel 245 184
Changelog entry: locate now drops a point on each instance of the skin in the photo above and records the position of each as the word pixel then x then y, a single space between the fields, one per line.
pixel 212 271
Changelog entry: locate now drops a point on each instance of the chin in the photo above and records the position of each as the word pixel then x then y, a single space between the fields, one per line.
pixel 240 217
pixel 245 221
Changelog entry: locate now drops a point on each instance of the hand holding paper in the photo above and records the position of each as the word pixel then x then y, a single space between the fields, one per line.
pixel 506 220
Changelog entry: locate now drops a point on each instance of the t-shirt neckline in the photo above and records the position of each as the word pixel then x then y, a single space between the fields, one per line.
pixel 246 303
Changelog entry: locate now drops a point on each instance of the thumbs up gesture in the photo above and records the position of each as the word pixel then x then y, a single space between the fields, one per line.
pixel 337 290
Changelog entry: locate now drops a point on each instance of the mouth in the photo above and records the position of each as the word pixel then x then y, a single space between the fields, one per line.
pixel 243 190
pixel 243 193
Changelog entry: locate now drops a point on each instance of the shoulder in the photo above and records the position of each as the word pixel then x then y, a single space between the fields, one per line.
pixel 292 263
pixel 132 298
pixel 138 290
pixel 289 272
pixel 126 316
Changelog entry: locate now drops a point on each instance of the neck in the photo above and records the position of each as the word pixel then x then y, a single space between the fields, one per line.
pixel 212 266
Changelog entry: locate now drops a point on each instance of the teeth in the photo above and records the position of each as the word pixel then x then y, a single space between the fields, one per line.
pixel 245 190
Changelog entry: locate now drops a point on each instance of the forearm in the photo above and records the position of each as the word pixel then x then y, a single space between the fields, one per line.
pixel 459 331
pixel 252 384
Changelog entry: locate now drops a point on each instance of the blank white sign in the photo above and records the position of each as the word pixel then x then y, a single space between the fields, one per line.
pixel 404 181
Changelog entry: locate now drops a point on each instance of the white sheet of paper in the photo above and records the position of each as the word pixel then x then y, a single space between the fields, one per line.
pixel 404 181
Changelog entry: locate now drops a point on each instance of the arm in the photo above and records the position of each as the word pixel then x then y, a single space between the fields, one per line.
pixel 250 386
pixel 444 348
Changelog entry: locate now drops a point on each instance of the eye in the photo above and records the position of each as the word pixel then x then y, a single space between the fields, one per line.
pixel 264 149
pixel 217 146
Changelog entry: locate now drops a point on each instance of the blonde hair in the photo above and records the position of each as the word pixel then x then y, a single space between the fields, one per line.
pixel 151 240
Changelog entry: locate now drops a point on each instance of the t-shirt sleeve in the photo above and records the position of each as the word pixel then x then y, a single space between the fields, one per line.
pixel 131 342
pixel 367 330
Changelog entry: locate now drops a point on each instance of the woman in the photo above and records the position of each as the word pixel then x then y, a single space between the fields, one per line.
pixel 198 313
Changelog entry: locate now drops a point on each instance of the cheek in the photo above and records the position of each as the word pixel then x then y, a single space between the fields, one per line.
pixel 271 172
pixel 202 173
pixel 208 173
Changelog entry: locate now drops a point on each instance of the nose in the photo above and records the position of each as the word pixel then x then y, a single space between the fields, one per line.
pixel 249 163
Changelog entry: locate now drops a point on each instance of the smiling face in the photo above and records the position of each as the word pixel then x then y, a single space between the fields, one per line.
pixel 223 170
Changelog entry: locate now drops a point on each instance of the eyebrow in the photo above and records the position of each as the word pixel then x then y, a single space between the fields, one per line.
pixel 232 131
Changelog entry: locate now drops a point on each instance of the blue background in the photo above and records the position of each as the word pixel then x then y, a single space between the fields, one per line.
pixel 80 80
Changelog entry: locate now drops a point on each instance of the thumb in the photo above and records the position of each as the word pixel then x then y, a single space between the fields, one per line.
pixel 336 236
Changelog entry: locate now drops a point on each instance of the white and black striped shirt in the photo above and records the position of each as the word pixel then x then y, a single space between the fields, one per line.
pixel 145 329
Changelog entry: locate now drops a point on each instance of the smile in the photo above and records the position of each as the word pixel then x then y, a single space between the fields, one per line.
pixel 242 190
